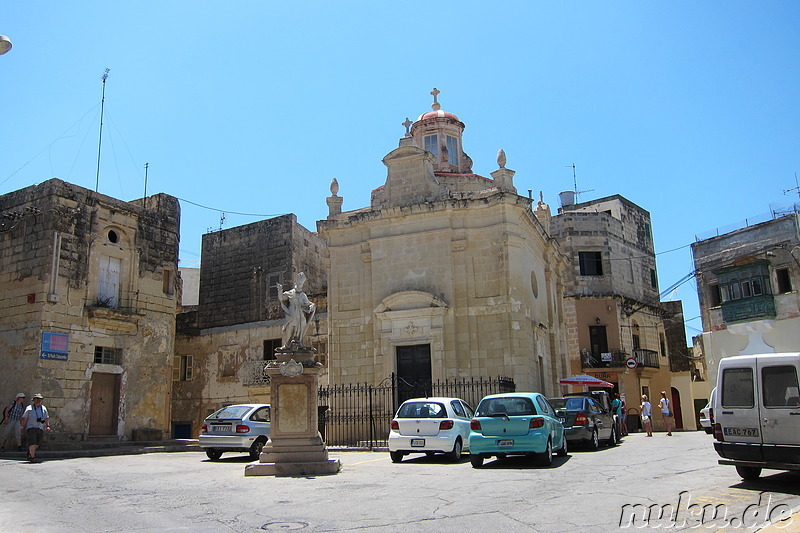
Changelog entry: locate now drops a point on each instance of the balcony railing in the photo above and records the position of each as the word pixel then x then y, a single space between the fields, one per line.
pixel 645 358
pixel 253 374
pixel 752 308
pixel 605 360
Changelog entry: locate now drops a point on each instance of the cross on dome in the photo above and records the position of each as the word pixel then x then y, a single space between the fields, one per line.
pixel 435 105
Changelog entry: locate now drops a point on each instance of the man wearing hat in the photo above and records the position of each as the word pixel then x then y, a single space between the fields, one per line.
pixel 35 421
pixel 11 417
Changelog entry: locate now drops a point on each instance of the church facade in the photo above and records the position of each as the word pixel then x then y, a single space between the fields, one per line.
pixel 446 274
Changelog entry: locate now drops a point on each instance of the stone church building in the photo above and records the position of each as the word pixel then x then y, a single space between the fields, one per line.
pixel 446 273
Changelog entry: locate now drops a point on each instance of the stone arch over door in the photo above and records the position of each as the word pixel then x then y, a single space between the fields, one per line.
pixel 409 318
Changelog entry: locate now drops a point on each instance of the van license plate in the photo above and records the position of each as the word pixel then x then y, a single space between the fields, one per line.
pixel 740 432
pixel 418 443
pixel 505 442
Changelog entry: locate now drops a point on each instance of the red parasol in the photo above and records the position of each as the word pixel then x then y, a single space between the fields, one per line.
pixel 586 381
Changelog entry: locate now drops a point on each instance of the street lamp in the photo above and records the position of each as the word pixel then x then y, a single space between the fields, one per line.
pixel 5 44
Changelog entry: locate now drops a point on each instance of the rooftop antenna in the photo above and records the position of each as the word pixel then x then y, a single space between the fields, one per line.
pixel 575 182
pixel 221 221
pixel 146 166
pixel 100 141
pixel 797 188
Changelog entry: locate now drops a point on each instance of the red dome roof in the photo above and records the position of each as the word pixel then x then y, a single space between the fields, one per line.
pixel 437 114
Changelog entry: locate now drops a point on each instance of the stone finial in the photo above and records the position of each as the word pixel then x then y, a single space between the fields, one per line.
pixel 334 201
pixel 501 158
pixel 436 106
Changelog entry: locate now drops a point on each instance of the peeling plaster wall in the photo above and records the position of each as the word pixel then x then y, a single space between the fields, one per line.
pixel 49 267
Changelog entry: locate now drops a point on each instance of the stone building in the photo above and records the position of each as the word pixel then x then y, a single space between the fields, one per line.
pixel 445 274
pixel 613 312
pixel 746 285
pixel 89 293
pixel 223 342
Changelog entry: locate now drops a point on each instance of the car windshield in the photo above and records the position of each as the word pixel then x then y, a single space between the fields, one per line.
pixel 506 406
pixel 422 410
pixel 232 411
pixel 570 404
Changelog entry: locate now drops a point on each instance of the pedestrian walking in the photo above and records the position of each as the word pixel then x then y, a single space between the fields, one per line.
pixel 623 418
pixel 616 410
pixel 11 422
pixel 666 412
pixel 647 415
pixel 35 421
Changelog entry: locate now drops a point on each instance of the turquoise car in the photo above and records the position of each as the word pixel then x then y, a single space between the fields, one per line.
pixel 516 423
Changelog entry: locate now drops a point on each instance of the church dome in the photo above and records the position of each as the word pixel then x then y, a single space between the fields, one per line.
pixel 437 110
pixel 437 114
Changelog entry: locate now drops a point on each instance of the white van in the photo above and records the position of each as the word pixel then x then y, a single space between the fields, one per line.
pixel 757 413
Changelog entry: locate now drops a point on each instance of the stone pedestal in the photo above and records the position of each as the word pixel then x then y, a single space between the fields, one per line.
pixel 295 447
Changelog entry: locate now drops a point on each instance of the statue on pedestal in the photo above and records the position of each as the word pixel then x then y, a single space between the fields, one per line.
pixel 300 312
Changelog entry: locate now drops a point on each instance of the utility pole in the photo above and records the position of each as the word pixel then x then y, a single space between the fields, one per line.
pixel 100 141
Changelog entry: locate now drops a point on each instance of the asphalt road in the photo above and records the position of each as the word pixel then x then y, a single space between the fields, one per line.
pixel 585 491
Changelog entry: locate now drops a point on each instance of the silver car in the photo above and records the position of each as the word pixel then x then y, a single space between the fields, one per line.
pixel 236 428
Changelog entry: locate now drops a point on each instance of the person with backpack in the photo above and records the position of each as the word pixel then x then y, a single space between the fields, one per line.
pixel 12 415
pixel 35 421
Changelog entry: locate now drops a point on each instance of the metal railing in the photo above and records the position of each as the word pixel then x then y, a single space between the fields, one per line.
pixel 359 414
pixel 646 358
pixel 253 374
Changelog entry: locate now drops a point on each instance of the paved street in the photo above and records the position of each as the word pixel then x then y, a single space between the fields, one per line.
pixel 586 490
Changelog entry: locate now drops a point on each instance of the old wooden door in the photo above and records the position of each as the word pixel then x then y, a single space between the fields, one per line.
pixel 105 402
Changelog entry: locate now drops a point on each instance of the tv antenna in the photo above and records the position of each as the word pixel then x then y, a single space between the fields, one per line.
pixel 796 188
pixel 575 182
pixel 100 140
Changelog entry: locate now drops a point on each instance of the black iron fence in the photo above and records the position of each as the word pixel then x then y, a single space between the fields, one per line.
pixel 359 414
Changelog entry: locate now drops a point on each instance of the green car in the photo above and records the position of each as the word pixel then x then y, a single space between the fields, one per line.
pixel 516 423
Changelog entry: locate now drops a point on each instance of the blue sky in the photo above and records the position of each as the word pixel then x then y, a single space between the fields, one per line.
pixel 688 109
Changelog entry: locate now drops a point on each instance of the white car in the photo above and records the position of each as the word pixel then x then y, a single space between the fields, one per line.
pixel 707 414
pixel 430 426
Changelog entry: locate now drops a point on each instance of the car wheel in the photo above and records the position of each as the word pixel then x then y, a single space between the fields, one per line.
pixel 563 451
pixel 455 455
pixel 546 458
pixel 594 441
pixel 214 455
pixel 612 440
pixel 748 473
pixel 476 459
pixel 396 456
pixel 255 449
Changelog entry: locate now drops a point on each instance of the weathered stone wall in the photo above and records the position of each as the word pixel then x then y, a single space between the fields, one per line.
pixel 227 362
pixel 621 231
pixel 49 283
pixel 241 265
